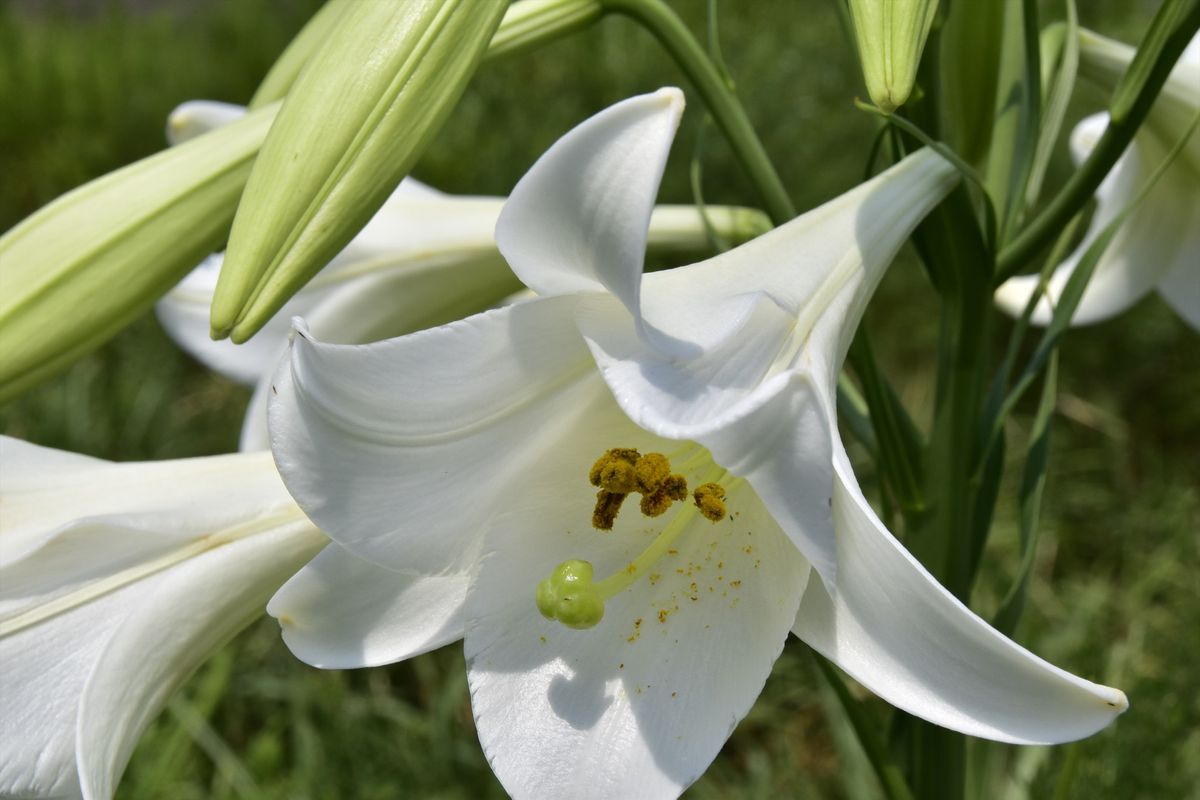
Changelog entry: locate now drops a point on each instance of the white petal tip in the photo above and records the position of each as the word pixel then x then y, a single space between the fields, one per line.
pixel 300 327
pixel 1086 134
pixel 670 96
pixel 1013 295
pixel 195 117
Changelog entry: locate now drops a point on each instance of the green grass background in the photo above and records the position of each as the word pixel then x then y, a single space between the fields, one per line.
pixel 85 87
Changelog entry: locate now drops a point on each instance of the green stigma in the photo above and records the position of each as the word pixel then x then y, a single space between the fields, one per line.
pixel 569 596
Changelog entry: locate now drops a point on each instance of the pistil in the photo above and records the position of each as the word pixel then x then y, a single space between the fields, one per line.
pixel 569 594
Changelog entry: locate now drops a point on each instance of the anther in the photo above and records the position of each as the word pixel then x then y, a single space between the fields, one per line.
pixel 608 504
pixel 672 488
pixel 614 471
pixel 710 499
pixel 569 594
pixel 650 472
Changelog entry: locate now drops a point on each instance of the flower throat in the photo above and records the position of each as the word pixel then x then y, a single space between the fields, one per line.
pixel 569 594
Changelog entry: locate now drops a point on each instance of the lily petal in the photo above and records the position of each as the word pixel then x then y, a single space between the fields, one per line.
pixel 442 243
pixel 1181 289
pixel 814 272
pixel 54 501
pixel 340 612
pixel 577 221
pixel 198 606
pixel 898 632
pixel 382 305
pixel 196 117
pixel 44 672
pixel 352 423
pixel 85 545
pixel 770 340
pixel 640 704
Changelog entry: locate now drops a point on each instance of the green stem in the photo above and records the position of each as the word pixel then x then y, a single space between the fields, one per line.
pixel 867 729
pixel 718 96
pixel 897 436
pixel 1117 136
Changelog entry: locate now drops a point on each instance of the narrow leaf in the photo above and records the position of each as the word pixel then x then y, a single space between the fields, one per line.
pixel 1029 498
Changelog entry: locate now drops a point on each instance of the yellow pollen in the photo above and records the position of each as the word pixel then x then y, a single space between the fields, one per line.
pixel 614 470
pixel 570 595
pixel 622 471
pixel 710 499
pixel 650 472
pixel 608 504
pixel 670 489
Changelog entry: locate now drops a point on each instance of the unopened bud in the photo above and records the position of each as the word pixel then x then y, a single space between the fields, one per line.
pixel 80 269
pixel 334 155
pixel 891 37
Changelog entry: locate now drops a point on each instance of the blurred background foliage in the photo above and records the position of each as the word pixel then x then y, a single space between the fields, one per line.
pixel 85 86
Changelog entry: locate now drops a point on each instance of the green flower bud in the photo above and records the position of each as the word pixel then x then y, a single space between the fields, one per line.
pixel 526 24
pixel 358 116
pixel 891 36
pixel 286 69
pixel 81 268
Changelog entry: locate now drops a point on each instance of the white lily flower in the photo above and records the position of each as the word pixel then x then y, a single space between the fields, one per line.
pixel 116 581
pixel 1158 245
pixel 444 244
pixel 458 460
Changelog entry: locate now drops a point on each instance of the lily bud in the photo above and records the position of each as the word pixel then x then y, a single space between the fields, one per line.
pixel 891 36
pixel 81 268
pixel 286 69
pixel 358 116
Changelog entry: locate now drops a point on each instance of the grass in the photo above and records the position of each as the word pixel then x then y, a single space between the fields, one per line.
pixel 1115 596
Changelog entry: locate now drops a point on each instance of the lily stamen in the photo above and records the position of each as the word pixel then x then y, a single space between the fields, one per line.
pixel 569 593
pixel 622 471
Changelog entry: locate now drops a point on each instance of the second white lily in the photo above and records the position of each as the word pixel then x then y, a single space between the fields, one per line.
pixel 116 581
pixel 1158 245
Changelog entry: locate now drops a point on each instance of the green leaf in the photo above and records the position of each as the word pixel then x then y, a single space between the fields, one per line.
pixel 1181 20
pixel 1060 65
pixel 529 23
pixel 1170 31
pixel 1010 175
pixel 1012 101
pixel 1073 292
pixel 1029 499
pixel 868 730
pixel 971 52
pixel 899 442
